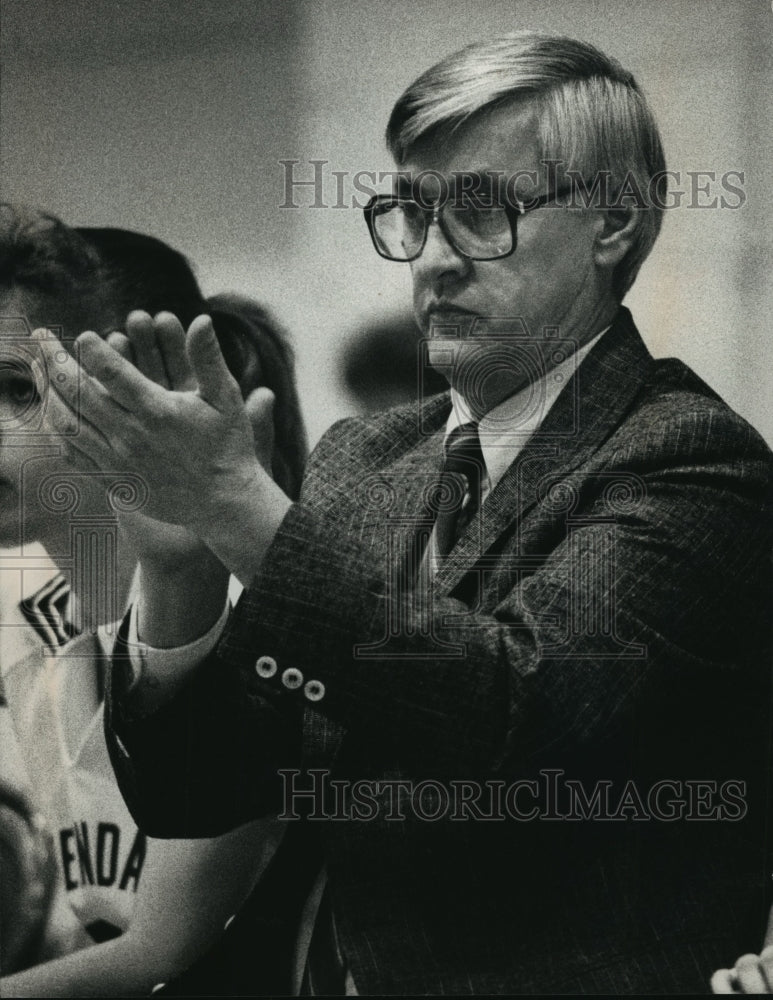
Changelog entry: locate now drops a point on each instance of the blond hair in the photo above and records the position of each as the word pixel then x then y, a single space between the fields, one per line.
pixel 591 116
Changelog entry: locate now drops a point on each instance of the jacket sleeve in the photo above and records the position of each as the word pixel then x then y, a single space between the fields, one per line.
pixel 207 760
pixel 643 616
pixel 653 603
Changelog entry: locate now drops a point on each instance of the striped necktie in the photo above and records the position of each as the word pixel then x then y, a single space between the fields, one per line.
pixel 46 612
pixel 462 476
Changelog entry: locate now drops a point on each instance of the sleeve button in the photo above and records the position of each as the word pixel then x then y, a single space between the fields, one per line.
pixel 265 666
pixel 292 678
pixel 314 690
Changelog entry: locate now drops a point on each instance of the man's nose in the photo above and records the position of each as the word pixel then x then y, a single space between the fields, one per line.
pixel 439 260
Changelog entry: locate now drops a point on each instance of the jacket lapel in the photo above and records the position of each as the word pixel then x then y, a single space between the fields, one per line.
pixel 588 410
pixel 396 499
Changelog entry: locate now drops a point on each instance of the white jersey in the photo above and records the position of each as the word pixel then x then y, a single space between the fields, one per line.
pixel 54 714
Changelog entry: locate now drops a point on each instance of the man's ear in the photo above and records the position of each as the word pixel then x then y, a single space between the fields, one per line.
pixel 260 410
pixel 615 236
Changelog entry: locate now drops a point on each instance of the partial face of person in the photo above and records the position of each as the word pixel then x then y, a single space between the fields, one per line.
pixel 31 460
pixel 471 310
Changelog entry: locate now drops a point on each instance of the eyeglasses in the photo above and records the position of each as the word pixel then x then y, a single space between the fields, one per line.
pixel 398 226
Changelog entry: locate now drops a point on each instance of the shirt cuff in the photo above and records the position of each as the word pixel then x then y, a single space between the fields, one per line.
pixel 165 670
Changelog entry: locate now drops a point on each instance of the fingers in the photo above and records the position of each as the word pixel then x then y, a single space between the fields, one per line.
pixel 766 965
pixel 121 343
pixel 141 332
pixel 724 981
pixel 216 384
pixel 73 400
pixel 88 405
pixel 158 347
pixel 170 337
pixel 120 381
pixel 750 971
pixel 751 974
pixel 260 411
pixel 62 386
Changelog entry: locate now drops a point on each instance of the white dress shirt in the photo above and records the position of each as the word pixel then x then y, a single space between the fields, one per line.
pixel 505 429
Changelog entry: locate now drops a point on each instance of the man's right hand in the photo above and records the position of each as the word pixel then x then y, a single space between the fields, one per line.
pixel 183 585
pixel 193 447
pixel 156 347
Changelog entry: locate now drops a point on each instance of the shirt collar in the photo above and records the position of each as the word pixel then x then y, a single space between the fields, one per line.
pixel 24 571
pixel 505 429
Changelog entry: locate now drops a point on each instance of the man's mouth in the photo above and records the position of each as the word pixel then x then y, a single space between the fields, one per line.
pixel 448 321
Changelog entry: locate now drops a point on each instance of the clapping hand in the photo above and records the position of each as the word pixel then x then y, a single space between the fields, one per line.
pixel 178 422
pixel 156 347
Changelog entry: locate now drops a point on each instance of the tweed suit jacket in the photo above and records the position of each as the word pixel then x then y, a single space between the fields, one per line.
pixel 594 660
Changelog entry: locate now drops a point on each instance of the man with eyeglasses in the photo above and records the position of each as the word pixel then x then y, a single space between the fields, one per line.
pixel 504 667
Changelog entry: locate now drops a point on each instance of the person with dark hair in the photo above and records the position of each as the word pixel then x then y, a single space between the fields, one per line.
pixel 129 911
pixel 505 664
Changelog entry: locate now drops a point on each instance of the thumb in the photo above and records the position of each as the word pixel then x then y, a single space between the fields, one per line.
pixel 216 384
pixel 260 411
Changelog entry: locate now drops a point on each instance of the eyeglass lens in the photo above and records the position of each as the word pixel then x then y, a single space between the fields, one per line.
pixel 476 231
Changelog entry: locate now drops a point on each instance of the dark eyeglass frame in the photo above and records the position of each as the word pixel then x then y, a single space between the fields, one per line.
pixel 376 202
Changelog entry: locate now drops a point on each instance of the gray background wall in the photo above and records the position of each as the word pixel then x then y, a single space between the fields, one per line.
pixel 171 117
